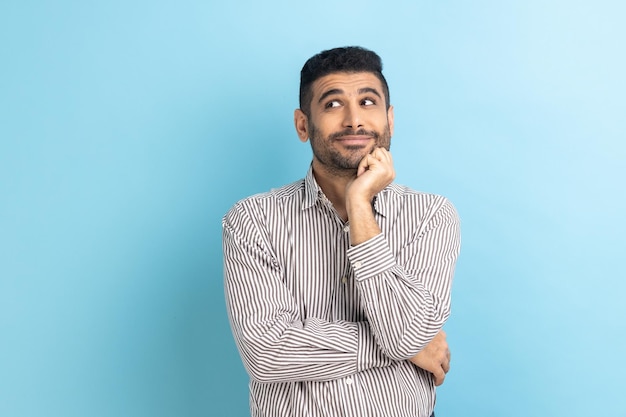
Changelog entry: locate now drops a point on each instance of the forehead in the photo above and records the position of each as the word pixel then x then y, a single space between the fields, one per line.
pixel 347 82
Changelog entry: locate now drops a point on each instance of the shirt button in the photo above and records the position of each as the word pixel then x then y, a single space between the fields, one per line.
pixel 344 280
pixel 346 228
pixel 349 380
pixel 358 264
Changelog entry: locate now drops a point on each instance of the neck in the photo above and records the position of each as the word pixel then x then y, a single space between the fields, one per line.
pixel 333 184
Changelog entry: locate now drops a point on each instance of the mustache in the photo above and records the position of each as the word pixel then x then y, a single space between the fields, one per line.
pixel 351 132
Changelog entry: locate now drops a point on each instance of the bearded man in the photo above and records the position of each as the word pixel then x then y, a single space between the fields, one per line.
pixel 338 285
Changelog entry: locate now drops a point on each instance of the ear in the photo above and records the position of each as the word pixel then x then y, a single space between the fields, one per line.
pixel 302 124
pixel 390 119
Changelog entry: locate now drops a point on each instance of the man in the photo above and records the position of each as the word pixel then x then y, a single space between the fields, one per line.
pixel 338 285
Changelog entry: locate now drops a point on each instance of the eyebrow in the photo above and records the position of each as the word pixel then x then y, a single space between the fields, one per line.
pixel 340 91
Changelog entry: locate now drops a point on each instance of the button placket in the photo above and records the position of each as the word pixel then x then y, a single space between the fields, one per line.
pixel 343 272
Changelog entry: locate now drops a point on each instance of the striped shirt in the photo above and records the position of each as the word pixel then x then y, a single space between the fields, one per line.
pixel 325 328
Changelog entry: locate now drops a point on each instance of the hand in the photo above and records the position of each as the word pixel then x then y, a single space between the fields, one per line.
pixel 375 172
pixel 435 358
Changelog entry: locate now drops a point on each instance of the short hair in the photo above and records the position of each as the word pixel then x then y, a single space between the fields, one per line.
pixel 346 59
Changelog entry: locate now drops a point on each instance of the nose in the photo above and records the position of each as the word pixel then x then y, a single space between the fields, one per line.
pixel 352 117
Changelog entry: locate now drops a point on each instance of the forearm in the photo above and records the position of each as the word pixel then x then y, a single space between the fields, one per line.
pixel 275 342
pixel 314 351
pixel 405 286
pixel 403 314
pixel 374 173
pixel 363 225
pixel 400 312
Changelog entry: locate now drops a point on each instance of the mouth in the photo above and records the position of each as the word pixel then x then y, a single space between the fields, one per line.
pixel 354 140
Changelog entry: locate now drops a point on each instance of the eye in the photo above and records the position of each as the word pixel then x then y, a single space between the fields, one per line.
pixel 333 103
pixel 367 102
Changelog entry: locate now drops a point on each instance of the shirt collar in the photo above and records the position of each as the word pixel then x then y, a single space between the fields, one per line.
pixel 313 193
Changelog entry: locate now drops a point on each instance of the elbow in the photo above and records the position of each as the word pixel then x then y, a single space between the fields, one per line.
pixel 260 368
pixel 408 347
pixel 264 373
pixel 265 365
pixel 415 338
pixel 260 375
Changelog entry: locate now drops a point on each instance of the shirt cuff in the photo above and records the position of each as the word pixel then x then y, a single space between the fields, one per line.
pixel 371 258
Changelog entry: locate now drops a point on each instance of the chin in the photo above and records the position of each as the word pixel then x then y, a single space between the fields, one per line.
pixel 349 163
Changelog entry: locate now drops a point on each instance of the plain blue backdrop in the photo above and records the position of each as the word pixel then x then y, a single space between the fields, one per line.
pixel 128 128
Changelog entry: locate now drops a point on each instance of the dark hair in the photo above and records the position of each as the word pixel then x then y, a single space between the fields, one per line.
pixel 347 59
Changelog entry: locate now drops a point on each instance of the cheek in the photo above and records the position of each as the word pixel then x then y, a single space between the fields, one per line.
pixel 320 129
pixel 328 121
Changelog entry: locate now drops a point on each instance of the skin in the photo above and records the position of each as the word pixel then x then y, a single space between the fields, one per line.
pixel 350 129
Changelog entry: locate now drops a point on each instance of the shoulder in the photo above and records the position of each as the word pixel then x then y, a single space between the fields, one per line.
pixel 262 203
pixel 422 215
pixel 418 201
pixel 419 208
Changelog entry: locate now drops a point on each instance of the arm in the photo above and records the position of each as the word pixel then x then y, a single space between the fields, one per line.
pixel 406 293
pixel 275 344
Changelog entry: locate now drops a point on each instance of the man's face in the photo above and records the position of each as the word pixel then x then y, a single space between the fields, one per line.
pixel 348 119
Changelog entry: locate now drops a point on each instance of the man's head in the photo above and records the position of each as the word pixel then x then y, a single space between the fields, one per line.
pixel 350 59
pixel 344 110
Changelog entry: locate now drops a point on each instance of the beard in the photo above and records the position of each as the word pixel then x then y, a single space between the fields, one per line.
pixel 345 161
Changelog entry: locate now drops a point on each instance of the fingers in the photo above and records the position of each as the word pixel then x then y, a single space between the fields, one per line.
pixel 434 358
pixel 362 166
pixel 443 358
pixel 378 155
pixel 365 164
pixel 447 356
pixel 382 155
pixel 382 158
pixel 445 365
pixel 439 376
pixel 379 160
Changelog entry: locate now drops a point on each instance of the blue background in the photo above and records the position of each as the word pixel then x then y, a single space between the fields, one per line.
pixel 127 129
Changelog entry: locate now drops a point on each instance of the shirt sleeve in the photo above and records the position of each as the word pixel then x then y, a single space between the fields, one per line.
pixel 406 290
pixel 274 343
